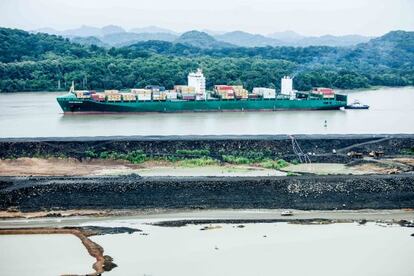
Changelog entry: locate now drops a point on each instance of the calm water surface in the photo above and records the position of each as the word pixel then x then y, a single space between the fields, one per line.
pixel 341 249
pixel 263 249
pixel 47 255
pixel 37 114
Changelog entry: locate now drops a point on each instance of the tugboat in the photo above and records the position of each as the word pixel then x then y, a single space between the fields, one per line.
pixel 356 105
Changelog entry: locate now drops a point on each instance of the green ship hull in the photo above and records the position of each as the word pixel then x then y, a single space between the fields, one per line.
pixel 70 104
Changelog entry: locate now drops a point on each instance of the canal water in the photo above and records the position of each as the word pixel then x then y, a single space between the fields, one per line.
pixel 225 249
pixel 37 114
pixel 263 249
pixel 372 249
pixel 48 255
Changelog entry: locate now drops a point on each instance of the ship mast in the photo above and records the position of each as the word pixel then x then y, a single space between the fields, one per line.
pixel 72 87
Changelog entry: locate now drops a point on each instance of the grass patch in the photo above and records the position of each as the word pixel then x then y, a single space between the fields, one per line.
pixel 236 159
pixel 274 164
pixel 198 162
pixel 409 151
pixel 292 174
pixel 294 162
pixel 135 157
pixel 245 157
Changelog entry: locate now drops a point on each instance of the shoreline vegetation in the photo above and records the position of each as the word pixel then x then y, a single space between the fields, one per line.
pixel 369 88
pixel 48 62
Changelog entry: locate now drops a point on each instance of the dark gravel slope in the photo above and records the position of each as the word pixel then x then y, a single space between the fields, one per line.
pixel 127 192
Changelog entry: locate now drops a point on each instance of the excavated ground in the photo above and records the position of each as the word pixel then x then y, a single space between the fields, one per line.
pixel 389 186
pixel 135 192
pixel 321 148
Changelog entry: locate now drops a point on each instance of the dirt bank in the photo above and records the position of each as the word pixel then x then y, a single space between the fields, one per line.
pixel 63 166
pixel 26 166
pixel 135 192
pixel 14 213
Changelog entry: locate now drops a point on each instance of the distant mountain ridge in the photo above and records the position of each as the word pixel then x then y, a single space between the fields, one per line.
pixel 127 38
pixel 152 29
pixel 201 40
pixel 244 39
pixel 116 36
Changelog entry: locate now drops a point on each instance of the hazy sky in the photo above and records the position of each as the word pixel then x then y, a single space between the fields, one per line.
pixel 309 17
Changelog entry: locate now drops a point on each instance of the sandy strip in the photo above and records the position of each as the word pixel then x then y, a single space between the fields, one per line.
pixel 11 214
pixel 98 167
pixel 223 214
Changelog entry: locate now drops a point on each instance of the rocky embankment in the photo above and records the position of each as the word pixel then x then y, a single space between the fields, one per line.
pixel 135 192
pixel 321 148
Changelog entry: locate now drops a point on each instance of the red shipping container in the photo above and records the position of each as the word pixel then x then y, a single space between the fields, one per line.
pixel 98 97
pixel 324 91
pixel 223 87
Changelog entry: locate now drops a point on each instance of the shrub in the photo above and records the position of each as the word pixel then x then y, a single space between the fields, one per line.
pixel 274 164
pixel 236 159
pixel 409 151
pixel 134 157
pixel 295 162
pixel 91 154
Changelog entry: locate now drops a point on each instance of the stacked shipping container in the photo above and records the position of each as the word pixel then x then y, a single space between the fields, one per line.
pixel 142 94
pixel 83 94
pixel 191 93
pixel 265 93
pixel 159 96
pixel 128 97
pixel 324 92
pixel 112 95
pixel 240 92
pixel 185 92
pixel 171 95
pixel 99 97
pixel 225 92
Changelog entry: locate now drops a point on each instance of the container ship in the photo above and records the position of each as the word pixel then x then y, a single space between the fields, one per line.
pixel 194 97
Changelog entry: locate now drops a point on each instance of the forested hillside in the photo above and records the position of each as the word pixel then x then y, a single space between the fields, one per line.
pixel 39 61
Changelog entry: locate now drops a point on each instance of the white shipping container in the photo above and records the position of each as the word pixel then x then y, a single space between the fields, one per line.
pixel 141 91
pixel 269 95
pixel 266 93
pixel 111 92
pixel 171 95
pixel 144 97
pixel 128 97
